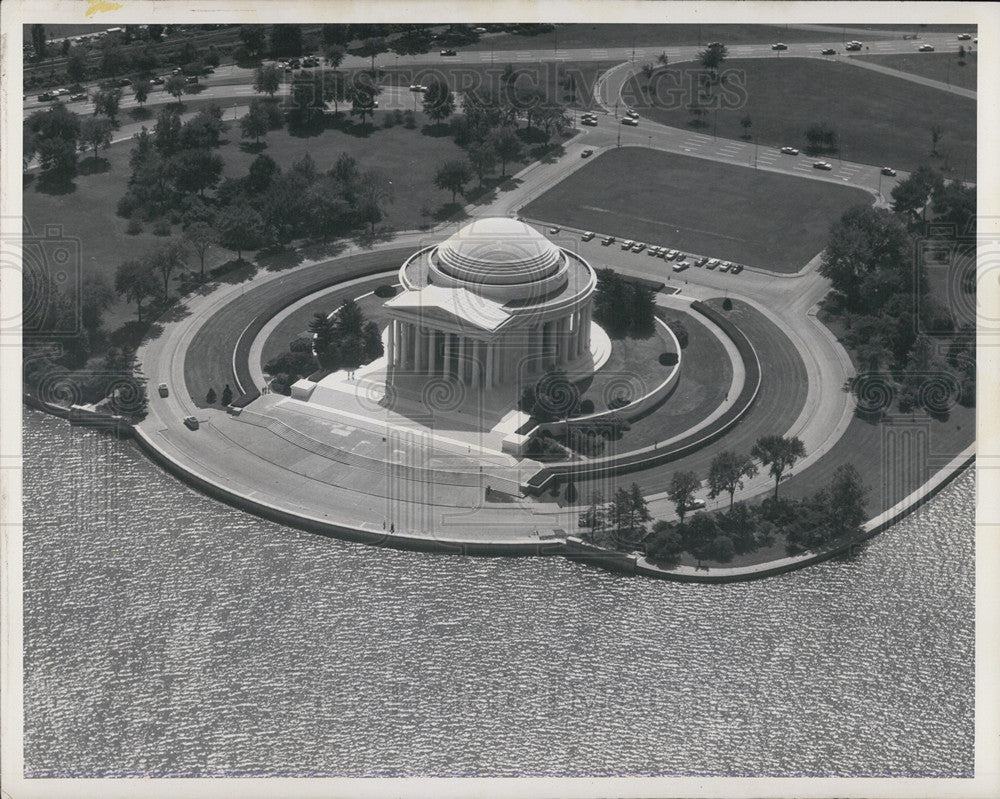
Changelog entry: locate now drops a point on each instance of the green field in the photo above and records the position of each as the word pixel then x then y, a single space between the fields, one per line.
pixel 87 213
pixel 942 67
pixel 763 219
pixel 879 119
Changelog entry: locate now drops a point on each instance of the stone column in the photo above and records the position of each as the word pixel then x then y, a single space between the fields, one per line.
pixel 421 356
pixel 447 355
pixel 432 351
pixel 477 363
pixel 489 365
pixel 461 359
pixel 391 342
pixel 539 348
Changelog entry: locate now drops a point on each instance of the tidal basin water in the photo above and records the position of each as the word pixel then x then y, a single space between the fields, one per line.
pixel 167 634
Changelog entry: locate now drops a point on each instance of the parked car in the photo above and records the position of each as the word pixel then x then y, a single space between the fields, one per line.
pixel 779 46
pixel 448 53
pixel 926 48
pixel 725 266
pixel 162 388
pixel 191 423
pixel 822 165
pixel 789 151
pixel 586 153
pixel 888 170
pixel 701 261
pixel 682 257
pixel 828 51
pixel 630 121
pixel 671 255
pixel 638 247
pixel 627 244
pixel 554 229
pixel 653 251
pixel 712 264
pixel 737 268
pixel 587 236
pixel 607 240
pixel 679 267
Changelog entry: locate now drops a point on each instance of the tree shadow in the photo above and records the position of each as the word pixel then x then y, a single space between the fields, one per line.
pixel 234 271
pixel 132 334
pixel 253 147
pixel 93 166
pixel 55 184
pixel 450 211
pixel 194 88
pixel 278 259
pixel 436 130
pixel 324 249
pixel 174 312
pixel 140 113
pixel 27 179
pixel 482 194
pixel 509 183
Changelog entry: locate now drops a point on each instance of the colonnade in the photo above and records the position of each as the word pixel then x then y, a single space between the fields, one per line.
pixel 479 360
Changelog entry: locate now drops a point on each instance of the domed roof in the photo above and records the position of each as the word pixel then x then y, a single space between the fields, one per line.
pixel 498 251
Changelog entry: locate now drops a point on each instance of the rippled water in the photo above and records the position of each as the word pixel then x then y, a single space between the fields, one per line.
pixel 168 634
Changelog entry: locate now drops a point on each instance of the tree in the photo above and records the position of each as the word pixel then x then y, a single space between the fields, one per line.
pixel 681 491
pixel 439 102
pixel 362 95
pixel 955 204
pixel 141 90
pixel 727 473
pixel 336 34
pixel 371 48
pixel 54 134
pixel 175 86
pixel 349 319
pixel 452 176
pixel 227 395
pixel 135 280
pixel 286 40
pixel 107 101
pixel 167 259
pixel 779 454
pixel 38 41
pixel 267 80
pixel 912 194
pixel 374 192
pixel 324 338
pixel 847 501
pixel 821 138
pixel 253 38
pixel 483 158
pixel 241 228
pixel 711 57
pixel 204 130
pixel 196 170
pixel 262 172
pixel 256 122
pixel 76 66
pixel 155 32
pixel 167 132
pixel 95 132
pixel 507 145
pixel 335 56
pixel 371 342
pixel 936 133
pixel 201 236
pixel 210 397
pixel 96 296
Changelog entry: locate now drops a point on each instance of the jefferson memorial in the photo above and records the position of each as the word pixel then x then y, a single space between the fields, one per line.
pixel 495 304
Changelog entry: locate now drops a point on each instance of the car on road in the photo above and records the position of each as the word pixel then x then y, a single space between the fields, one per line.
pixel 627 244
pixel 926 48
pixel 680 267
pixel 632 113
pixel 638 247
pixel 60 92
pixel 157 81
pixel 737 268
pixel 77 97
pixel 712 264
pixel 554 229
pixel 191 80
pixel 853 46
pixel 701 261
pixel 964 37
pixel 695 504
pixel 888 170
pixel 448 53
pixel 162 388
pixel 822 165
pixel 779 46
pixel 630 121
pixel 590 122
pixel 586 153
pixel 190 422
pixel 828 51
pixel 789 151
pixel 416 87
pixel 44 98
pixel 587 236
pixel 208 70
pixel 607 240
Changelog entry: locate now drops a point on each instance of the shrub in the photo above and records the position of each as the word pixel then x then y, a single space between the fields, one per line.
pixel 409 120
pixel 668 358
pixel 210 397
pixel 571 492
pixel 677 326
pixel 176 218
pixel 162 227
pixel 727 304
pixel 385 290
pixel 388 121
pixel 134 227
pixel 586 406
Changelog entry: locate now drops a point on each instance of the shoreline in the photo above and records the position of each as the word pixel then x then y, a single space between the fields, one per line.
pixel 569 546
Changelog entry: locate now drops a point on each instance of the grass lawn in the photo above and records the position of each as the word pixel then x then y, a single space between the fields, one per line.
pixel 942 67
pixel 581 35
pixel 763 219
pixel 879 119
pixel 87 211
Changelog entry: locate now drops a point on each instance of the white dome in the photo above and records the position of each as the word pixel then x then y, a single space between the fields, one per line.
pixel 499 257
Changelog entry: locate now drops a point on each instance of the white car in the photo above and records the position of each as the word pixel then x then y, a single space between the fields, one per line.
pixel 712 264
pixel 630 121
pixel 964 37
pixel 789 151
pixel 671 255
pixel 680 267
pixel 926 48
pixel 587 236
pixel 724 266
pixel 627 244
pixel 823 165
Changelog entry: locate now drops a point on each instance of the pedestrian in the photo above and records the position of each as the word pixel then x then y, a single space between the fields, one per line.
pixel 392 527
